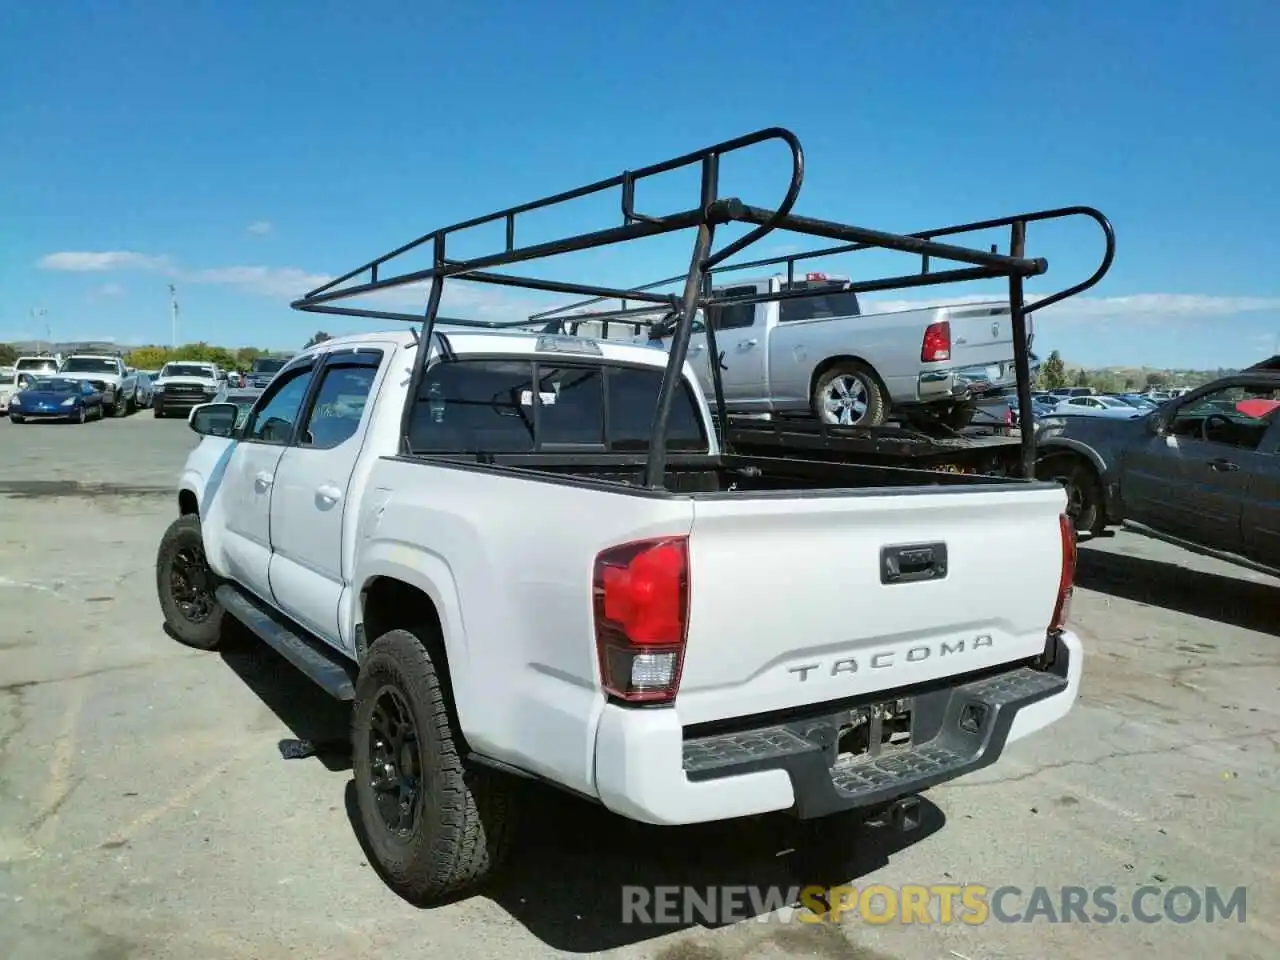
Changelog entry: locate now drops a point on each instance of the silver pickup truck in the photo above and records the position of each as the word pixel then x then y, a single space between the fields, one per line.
pixel 822 354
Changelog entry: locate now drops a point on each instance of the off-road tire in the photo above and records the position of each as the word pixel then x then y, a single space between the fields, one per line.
pixel 207 633
pixel 157 412
pixel 465 820
pixel 131 405
pixel 877 407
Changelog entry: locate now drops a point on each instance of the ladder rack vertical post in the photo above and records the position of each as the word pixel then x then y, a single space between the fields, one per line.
pixel 1021 361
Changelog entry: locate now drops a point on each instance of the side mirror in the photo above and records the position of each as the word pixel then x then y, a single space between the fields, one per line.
pixel 214 419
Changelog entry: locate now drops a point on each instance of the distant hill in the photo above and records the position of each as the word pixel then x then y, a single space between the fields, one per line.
pixel 71 346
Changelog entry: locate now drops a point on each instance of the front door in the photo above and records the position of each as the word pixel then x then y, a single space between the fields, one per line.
pixel 250 479
pixel 309 509
pixel 1191 480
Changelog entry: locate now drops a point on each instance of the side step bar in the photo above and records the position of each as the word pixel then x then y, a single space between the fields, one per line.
pixel 327 668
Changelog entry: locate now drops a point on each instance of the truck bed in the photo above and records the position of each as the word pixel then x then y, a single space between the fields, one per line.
pixel 730 473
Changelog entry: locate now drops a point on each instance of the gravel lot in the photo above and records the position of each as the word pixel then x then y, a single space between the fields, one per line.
pixel 146 812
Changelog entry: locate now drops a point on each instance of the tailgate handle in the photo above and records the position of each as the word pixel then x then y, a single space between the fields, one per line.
pixel 911 562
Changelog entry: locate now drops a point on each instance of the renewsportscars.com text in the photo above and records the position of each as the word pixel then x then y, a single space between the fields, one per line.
pixel 971 904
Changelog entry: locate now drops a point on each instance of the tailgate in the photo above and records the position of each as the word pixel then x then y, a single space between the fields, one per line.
pixel 788 607
pixel 981 336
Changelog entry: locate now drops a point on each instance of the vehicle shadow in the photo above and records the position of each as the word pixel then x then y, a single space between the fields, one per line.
pixel 576 867
pixel 1230 600
pixel 321 725
pixel 584 880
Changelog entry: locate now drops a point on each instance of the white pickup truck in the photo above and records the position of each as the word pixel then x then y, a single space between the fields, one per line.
pixel 184 384
pixel 117 382
pixel 503 599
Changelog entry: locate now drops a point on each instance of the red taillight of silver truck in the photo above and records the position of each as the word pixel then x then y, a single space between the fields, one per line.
pixel 936 344
pixel 1066 579
pixel 641 599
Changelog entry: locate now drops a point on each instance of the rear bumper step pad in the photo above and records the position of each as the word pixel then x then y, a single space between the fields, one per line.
pixel 955 730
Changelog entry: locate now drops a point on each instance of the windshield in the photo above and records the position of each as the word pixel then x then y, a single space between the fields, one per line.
pixel 1111 402
pixel 267 365
pixel 187 370
pixel 90 365
pixel 36 365
pixel 49 385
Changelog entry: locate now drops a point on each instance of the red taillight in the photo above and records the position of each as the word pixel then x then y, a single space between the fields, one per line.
pixel 1067 578
pixel 815 276
pixel 937 342
pixel 641 595
pixel 1008 417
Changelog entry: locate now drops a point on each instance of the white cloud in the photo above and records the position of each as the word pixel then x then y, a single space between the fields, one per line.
pixel 99 262
pixel 482 302
pixel 260 228
pixel 1143 308
pixel 283 282
pixel 288 283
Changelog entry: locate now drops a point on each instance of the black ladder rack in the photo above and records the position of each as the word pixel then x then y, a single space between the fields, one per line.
pixel 710 211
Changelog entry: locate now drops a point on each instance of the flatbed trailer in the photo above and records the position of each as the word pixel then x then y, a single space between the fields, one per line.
pixel 888 445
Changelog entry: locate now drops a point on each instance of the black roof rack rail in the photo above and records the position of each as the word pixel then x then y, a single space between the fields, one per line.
pixel 710 211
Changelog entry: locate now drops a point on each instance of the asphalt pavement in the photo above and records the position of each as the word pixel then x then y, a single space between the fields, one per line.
pixel 146 810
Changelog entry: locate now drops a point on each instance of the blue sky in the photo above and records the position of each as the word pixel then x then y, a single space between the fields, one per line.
pixel 246 151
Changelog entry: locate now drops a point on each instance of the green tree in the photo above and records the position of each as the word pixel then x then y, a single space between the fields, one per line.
pixel 8 353
pixel 318 337
pixel 1053 372
pixel 1081 378
pixel 1156 379
pixel 245 357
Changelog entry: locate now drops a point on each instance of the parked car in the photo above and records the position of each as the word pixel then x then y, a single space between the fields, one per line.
pixel 184 384
pixel 145 390
pixel 1093 406
pixel 1200 469
pixel 262 370
pixel 109 376
pixel 1136 400
pixel 243 397
pixel 1061 393
pixel 40 363
pixel 56 398
pixel 624 665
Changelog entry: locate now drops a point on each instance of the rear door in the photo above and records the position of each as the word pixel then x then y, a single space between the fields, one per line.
pixel 1260 515
pixel 309 509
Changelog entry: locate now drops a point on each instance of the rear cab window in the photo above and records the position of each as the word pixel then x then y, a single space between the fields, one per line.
pixel 514 406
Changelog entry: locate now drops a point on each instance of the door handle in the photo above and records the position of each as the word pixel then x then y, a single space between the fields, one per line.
pixel 1223 465
pixel 264 479
pixel 328 493
pixel 747 344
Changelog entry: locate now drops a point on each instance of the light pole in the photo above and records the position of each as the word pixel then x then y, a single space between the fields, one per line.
pixel 173 308
pixel 38 314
